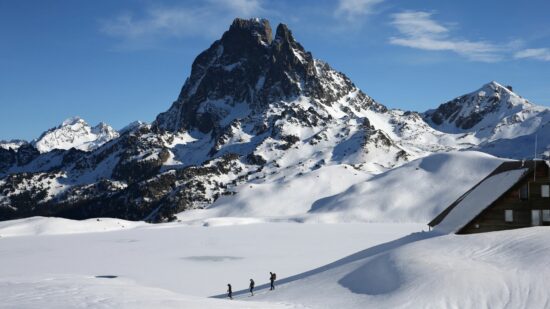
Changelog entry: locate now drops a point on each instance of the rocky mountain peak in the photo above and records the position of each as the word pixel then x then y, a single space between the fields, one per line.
pixel 250 69
pixel 493 84
pixel 479 109
pixel 75 132
pixel 283 34
pixel 243 29
pixel 73 121
pixel 493 88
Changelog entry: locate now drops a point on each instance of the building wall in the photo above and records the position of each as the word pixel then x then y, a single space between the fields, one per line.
pixel 493 217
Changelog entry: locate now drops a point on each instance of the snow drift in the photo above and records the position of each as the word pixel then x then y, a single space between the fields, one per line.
pixel 492 270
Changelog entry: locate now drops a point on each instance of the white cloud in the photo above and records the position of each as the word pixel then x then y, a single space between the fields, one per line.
pixel 419 30
pixel 351 10
pixel 534 53
pixel 157 23
pixel 242 7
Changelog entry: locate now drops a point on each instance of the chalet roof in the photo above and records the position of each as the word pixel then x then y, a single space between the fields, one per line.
pixel 483 194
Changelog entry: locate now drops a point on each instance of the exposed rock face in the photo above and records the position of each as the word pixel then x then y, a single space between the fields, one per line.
pixel 467 112
pixel 121 179
pixel 246 66
pixel 493 119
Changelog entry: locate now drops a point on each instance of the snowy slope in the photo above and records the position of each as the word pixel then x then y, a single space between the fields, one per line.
pixel 490 270
pixel 521 147
pixel 281 197
pixel 75 133
pixel 414 192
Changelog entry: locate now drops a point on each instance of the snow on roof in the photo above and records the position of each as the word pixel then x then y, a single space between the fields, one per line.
pixel 488 191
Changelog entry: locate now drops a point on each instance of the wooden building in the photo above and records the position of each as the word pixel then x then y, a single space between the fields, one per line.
pixel 515 195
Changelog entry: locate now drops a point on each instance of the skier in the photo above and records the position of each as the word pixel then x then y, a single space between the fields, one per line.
pixel 272 278
pixel 251 287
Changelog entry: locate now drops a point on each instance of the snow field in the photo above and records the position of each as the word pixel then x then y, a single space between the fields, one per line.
pixel 55 226
pixel 192 260
pixel 68 291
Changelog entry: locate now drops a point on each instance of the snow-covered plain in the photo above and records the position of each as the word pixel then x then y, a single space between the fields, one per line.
pixel 162 264
pixel 70 291
pixel 369 265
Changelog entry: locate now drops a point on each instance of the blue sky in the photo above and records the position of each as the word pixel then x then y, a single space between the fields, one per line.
pixel 120 61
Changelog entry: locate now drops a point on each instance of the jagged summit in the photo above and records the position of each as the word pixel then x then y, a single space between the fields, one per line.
pixel 257 28
pixel 480 109
pixel 72 121
pixel 494 86
pixel 247 70
pixel 75 132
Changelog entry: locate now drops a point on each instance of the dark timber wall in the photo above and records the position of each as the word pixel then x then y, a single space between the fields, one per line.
pixel 493 217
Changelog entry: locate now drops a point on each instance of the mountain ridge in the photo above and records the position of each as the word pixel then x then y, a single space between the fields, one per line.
pixel 256 108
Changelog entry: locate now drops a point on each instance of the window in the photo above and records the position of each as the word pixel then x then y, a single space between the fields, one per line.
pixel 509 215
pixel 524 192
pixel 546 215
pixel 545 190
pixel 535 217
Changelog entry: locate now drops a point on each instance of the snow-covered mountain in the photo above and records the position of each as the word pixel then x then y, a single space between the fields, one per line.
pixel 269 99
pixel 75 133
pixel 13 144
pixel 495 120
pixel 490 113
pixel 258 110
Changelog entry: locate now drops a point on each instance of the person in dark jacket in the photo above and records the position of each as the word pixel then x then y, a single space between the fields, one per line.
pixel 272 278
pixel 251 287
pixel 229 291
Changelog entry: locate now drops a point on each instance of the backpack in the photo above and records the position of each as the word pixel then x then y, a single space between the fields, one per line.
pixel 274 276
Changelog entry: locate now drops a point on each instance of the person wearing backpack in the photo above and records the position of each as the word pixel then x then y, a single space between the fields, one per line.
pixel 251 287
pixel 229 291
pixel 272 278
